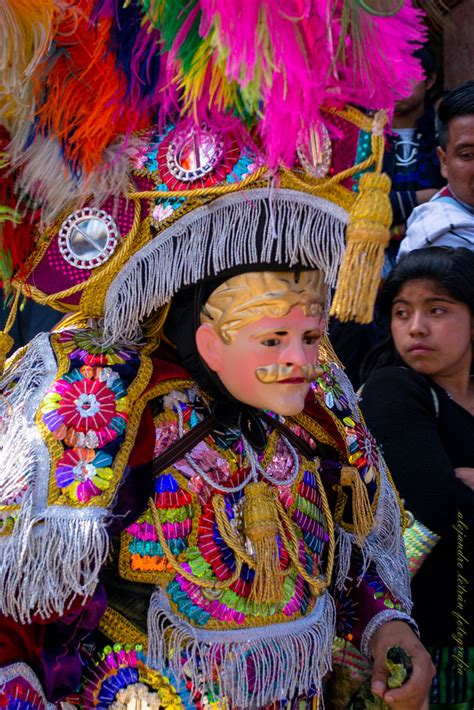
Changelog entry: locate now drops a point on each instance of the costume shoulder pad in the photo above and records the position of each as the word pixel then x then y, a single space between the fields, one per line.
pixel 70 409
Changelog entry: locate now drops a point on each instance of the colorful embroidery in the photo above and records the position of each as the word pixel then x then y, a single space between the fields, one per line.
pixel 86 346
pixel 332 391
pixel 83 473
pixel 20 689
pixel 196 538
pixel 361 445
pixel 362 448
pixel 87 410
pixel 87 407
pixel 120 676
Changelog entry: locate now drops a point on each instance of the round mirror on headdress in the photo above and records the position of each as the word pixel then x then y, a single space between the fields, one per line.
pixel 88 238
pixel 75 249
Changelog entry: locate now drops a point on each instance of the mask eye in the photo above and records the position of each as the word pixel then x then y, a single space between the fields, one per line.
pixel 271 342
pixel 311 338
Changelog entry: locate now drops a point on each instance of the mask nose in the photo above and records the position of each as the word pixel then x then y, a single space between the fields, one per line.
pixel 294 355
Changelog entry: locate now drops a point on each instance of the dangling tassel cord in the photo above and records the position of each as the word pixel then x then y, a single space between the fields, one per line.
pixel 366 239
pixel 6 340
pixel 362 516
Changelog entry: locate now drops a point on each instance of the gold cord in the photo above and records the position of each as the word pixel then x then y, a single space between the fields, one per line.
pixel 317 583
pixel 203 191
pixel 205 584
pixel 228 534
pixel 6 340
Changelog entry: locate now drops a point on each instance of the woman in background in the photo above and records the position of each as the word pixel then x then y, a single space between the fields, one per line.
pixel 419 403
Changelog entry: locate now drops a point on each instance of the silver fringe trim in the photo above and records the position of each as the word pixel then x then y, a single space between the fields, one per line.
pixel 53 553
pixel 21 670
pixel 287 659
pixel 379 620
pixel 49 560
pixel 384 545
pixel 299 229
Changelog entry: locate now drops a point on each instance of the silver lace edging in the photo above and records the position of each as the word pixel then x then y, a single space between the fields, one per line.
pixel 298 229
pixel 53 553
pixel 379 620
pixel 22 670
pixel 285 659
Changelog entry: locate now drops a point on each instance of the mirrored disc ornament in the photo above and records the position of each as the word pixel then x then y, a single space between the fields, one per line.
pixel 88 238
pixel 316 157
pixel 194 153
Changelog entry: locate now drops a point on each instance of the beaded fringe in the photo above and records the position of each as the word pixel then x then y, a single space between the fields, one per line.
pixel 257 226
pixel 283 660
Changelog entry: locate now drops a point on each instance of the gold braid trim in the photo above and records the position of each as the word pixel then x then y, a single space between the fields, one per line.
pixel 314 428
pixel 318 584
pixel 330 529
pixel 95 287
pixel 264 560
pixel 327 354
pixel 42 246
pixel 342 497
pixel 6 340
pixel 228 534
pixel 137 400
pixel 203 191
pixel 118 629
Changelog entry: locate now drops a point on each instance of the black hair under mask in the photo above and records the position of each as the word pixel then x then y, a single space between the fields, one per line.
pixel 180 328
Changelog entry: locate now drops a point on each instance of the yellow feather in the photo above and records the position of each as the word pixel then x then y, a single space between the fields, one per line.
pixel 26 30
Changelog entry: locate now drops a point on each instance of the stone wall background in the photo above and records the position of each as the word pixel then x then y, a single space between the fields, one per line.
pixel 458 44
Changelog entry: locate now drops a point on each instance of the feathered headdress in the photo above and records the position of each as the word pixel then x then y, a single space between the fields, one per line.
pixel 141 138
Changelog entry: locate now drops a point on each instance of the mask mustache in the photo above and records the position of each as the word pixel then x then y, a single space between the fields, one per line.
pixel 269 374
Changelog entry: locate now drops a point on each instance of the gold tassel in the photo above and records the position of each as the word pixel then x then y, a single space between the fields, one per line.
pixel 366 238
pixel 261 529
pixel 6 340
pixel 362 516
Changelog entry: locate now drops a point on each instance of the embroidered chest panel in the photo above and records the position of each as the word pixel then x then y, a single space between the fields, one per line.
pixel 236 538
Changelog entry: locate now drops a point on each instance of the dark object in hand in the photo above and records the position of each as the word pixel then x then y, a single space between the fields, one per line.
pixel 399 668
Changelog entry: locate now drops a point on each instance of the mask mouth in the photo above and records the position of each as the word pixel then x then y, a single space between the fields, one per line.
pixel 268 374
pixel 274 373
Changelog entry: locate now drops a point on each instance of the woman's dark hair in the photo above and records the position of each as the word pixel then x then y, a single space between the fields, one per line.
pixel 451 269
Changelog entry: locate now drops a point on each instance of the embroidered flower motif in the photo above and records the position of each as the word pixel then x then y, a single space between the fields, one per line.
pixel 161 212
pixel 87 347
pixel 83 474
pixel 87 407
pixel 362 447
pixel 331 390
